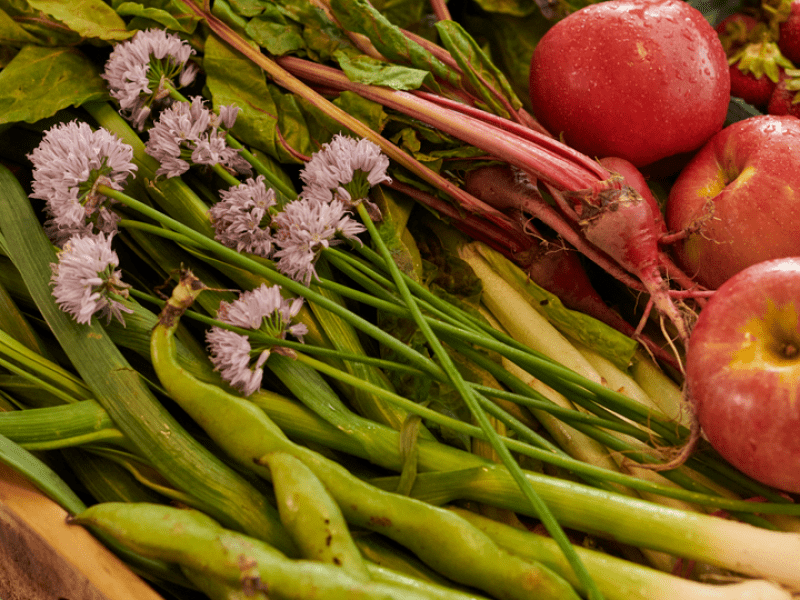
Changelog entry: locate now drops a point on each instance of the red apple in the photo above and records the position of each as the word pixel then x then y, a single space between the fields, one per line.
pixel 740 198
pixel 743 372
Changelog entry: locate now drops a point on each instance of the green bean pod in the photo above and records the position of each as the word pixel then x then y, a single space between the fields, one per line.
pixel 445 541
pixel 217 589
pixel 312 517
pixel 230 561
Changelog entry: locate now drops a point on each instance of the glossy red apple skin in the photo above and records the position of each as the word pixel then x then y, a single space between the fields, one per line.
pixel 743 185
pixel 743 372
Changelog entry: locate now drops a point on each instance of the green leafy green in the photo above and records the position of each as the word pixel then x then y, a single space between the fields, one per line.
pixel 483 76
pixel 12 34
pixel 40 81
pixel 275 33
pixel 515 8
pixel 270 119
pixel 171 14
pixel 365 69
pixel 88 18
pixel 45 31
pixel 248 8
pixel 232 79
pixel 512 41
pixel 360 16
pixel 407 14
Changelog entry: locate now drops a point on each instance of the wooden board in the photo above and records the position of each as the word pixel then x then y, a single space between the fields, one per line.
pixel 44 558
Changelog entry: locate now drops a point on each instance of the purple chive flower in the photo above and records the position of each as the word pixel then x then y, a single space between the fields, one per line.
pixel 345 169
pixel 305 228
pixel 139 70
pixel 241 218
pixel 68 165
pixel 189 133
pixel 263 309
pixel 86 280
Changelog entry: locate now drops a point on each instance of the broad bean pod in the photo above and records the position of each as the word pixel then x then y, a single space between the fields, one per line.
pixel 440 538
pixel 229 561
pixel 312 517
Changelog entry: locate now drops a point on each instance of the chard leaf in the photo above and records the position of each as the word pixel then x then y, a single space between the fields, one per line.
pixel 40 81
pixel 292 123
pixel 93 19
pixel 323 37
pixel 514 8
pixel 404 13
pixel 43 30
pixel 512 41
pixel 368 112
pixel 274 32
pixel 232 79
pixel 365 69
pixel 12 34
pixel 171 14
pixel 360 16
pixel 479 71
pixel 269 119
pixel 247 8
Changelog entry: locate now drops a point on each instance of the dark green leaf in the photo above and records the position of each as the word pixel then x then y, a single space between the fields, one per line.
pixel 40 81
pixel 292 123
pixel 232 79
pixel 368 112
pixel 248 8
pixel 365 69
pixel 514 8
pixel 483 76
pixel 12 34
pixel 408 14
pixel 93 19
pixel 44 30
pixel 171 14
pixel 322 36
pixel 360 16
pixel 739 110
pixel 512 41
pixel 275 33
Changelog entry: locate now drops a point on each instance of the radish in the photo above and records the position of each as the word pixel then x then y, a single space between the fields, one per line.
pixel 555 264
pixel 639 79
pixel 634 178
pixel 621 222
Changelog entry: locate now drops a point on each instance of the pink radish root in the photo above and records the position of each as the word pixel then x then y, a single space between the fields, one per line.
pixel 618 220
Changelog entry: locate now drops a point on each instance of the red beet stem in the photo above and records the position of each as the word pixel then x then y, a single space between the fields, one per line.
pixel 525 154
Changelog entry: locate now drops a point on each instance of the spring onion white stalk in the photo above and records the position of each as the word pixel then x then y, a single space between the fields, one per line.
pixel 620 579
pixel 512 311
